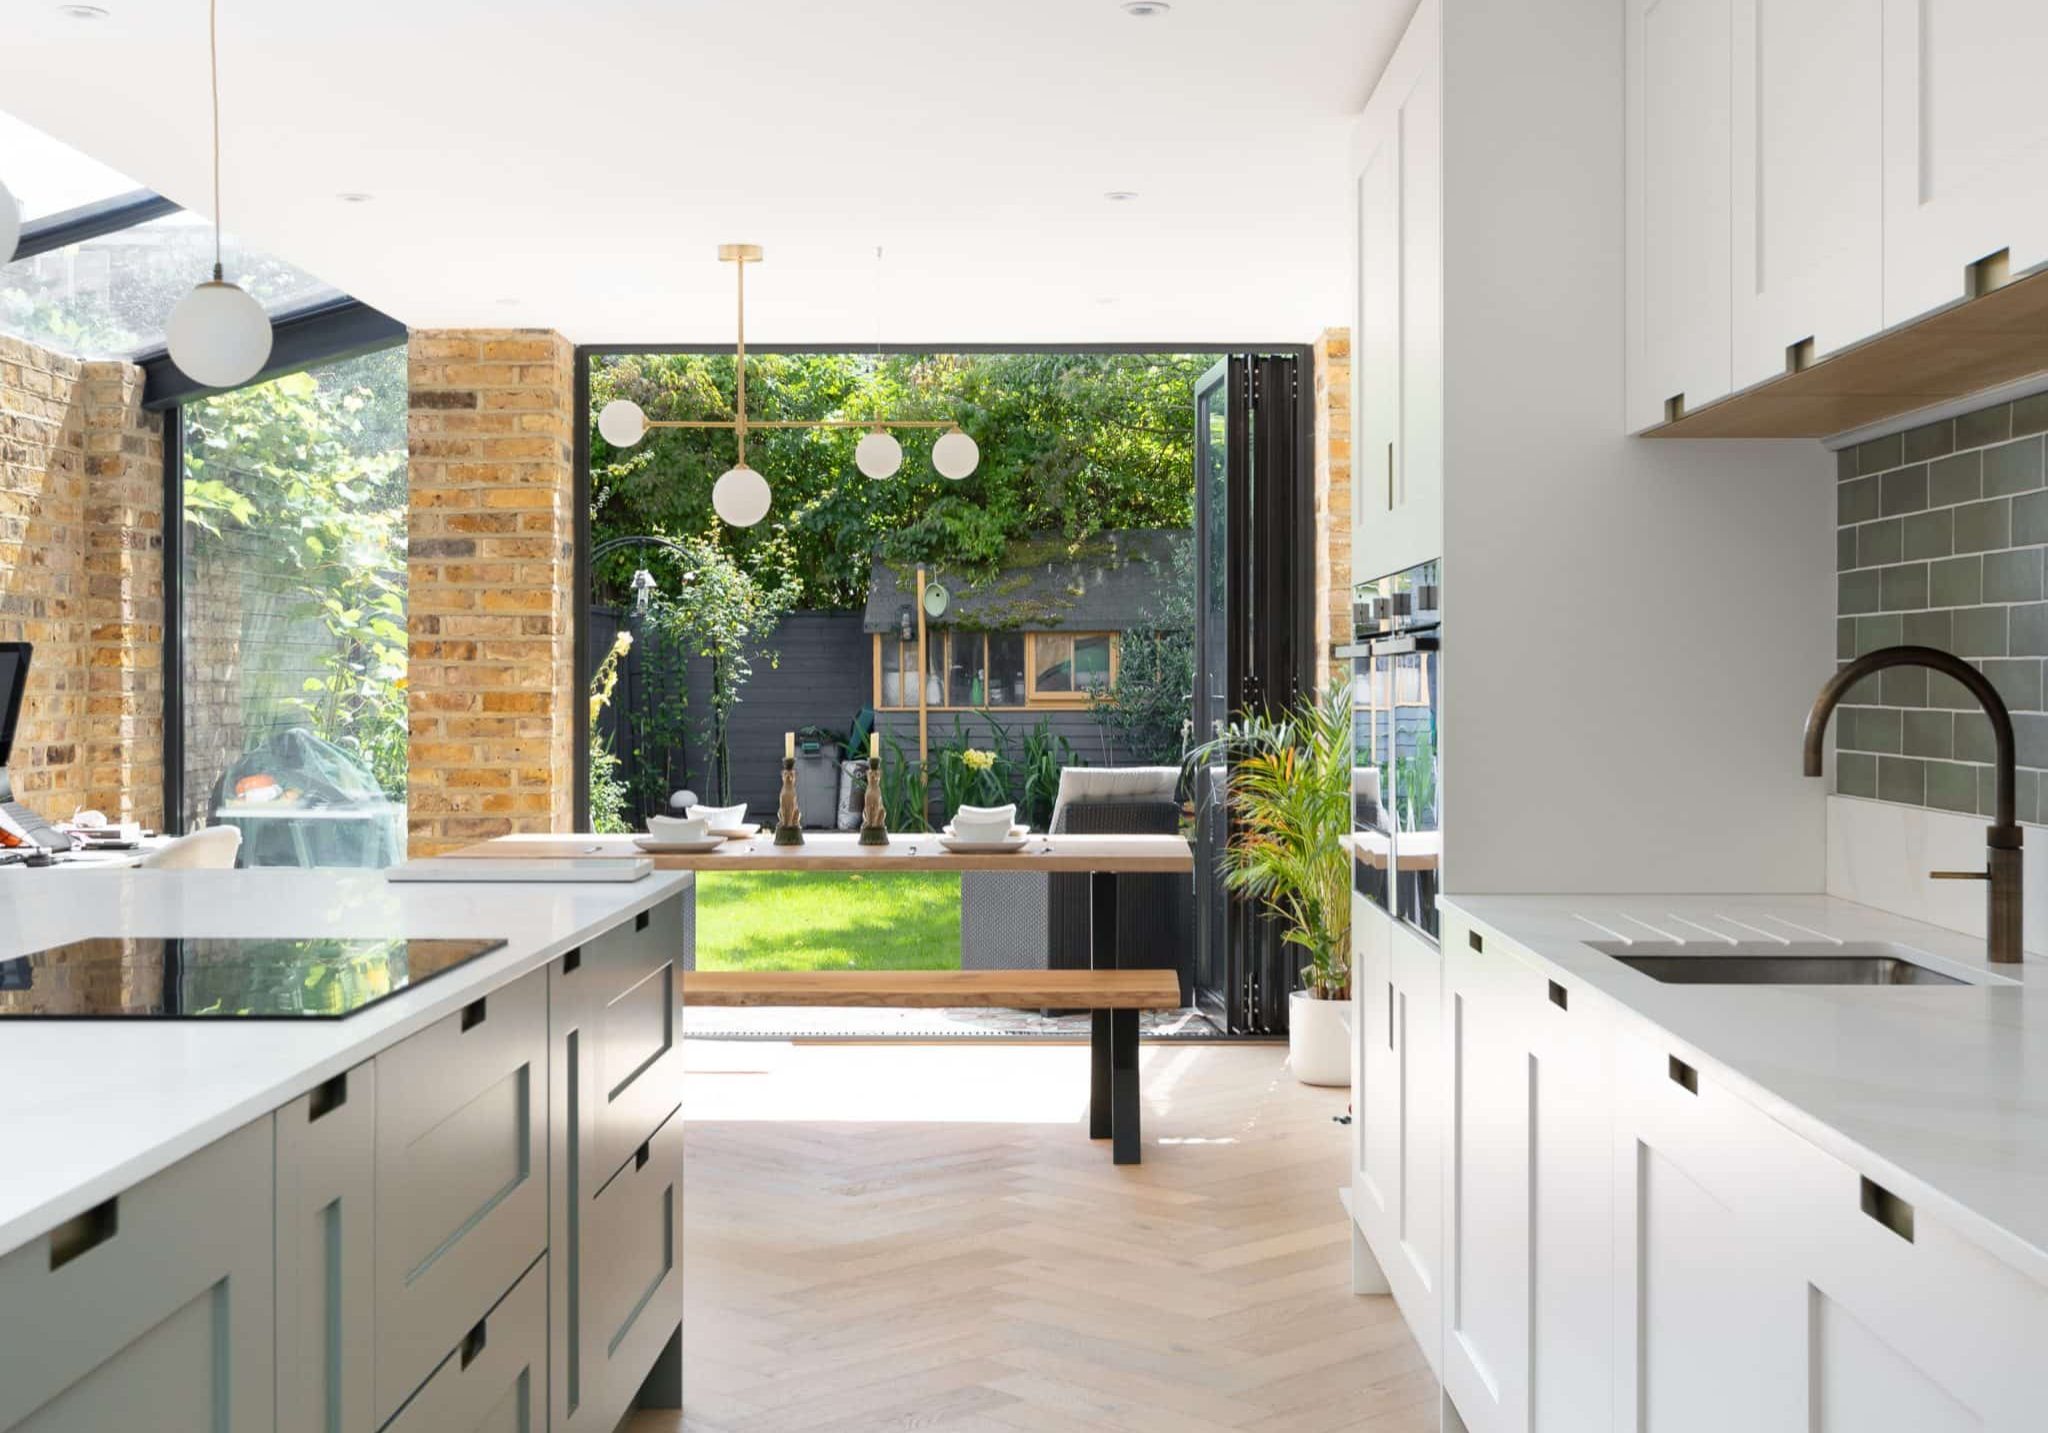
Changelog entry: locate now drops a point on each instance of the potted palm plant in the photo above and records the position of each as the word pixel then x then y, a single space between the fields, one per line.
pixel 1289 789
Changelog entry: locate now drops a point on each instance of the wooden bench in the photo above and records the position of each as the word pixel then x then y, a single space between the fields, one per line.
pixel 1113 996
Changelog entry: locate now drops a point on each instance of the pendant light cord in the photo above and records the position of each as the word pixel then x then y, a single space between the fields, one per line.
pixel 213 65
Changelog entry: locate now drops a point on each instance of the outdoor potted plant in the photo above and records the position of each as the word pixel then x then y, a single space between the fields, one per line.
pixel 1290 799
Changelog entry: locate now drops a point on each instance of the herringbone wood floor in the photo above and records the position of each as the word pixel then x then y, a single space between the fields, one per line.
pixel 966 1260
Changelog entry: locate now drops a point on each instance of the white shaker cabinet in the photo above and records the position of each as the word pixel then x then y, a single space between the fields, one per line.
pixel 1397 1189
pixel 1397 344
pixel 1808 180
pixel 153 1309
pixel 326 1153
pixel 1680 274
pixel 1965 138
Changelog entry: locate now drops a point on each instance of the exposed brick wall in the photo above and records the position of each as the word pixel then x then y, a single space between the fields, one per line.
pixel 81 576
pixel 1333 493
pixel 490 579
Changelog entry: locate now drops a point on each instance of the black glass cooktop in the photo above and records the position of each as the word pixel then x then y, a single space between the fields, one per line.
pixel 221 977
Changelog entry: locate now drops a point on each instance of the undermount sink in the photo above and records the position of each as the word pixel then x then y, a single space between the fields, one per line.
pixel 1797 964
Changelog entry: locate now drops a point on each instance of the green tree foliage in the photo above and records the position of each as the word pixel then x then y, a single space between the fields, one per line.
pixel 1070 443
pixel 304 479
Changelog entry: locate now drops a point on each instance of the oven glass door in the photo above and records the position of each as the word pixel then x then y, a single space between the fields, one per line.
pixel 1371 815
pixel 1418 837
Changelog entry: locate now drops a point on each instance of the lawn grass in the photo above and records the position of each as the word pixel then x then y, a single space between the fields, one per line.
pixel 825 920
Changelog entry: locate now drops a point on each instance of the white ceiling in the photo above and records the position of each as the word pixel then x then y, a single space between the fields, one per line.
pixel 575 164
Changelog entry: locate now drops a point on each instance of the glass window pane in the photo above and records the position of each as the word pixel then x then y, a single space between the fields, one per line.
pixel 111 297
pixel 294 614
pixel 1006 669
pixel 966 684
pixel 1091 663
pixel 934 670
pixel 47 177
pixel 892 672
pixel 1053 658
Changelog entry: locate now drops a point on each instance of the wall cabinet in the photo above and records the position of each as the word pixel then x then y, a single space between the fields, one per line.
pixel 326 1154
pixel 152 1311
pixel 1678 232
pixel 1804 174
pixel 1808 180
pixel 1963 138
pixel 1397 1187
pixel 1397 348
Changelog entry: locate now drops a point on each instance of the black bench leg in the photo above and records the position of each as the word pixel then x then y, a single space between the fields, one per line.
pixel 1123 1058
pixel 1102 955
pixel 1099 1087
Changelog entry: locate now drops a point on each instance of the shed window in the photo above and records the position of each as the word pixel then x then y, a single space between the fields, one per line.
pixel 967 670
pixel 1070 666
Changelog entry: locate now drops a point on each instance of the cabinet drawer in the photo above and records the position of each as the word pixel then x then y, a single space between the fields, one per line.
pixel 495 1380
pixel 632 1282
pixel 154 1309
pixel 626 998
pixel 461 1208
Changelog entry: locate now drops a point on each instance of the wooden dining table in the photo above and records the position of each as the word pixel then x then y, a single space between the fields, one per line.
pixel 1113 1037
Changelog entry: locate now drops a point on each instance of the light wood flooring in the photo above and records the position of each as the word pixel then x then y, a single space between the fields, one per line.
pixel 923 1237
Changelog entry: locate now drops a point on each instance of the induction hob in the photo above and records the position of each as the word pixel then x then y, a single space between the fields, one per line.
pixel 222 977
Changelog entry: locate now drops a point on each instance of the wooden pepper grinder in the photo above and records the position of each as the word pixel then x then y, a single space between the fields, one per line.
pixel 789 822
pixel 874 830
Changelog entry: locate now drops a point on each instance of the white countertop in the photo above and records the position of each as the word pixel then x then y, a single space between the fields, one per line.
pixel 92 1107
pixel 1939 1092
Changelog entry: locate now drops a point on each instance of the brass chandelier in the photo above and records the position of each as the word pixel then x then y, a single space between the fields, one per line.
pixel 741 496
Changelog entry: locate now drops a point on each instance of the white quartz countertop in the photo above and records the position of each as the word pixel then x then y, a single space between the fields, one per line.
pixel 90 1107
pixel 1939 1092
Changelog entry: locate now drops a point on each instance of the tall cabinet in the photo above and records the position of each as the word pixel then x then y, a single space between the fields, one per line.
pixel 1397 400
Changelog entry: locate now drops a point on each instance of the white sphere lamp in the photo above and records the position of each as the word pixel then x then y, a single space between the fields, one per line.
pixel 622 423
pixel 218 335
pixel 10 225
pixel 878 454
pixel 955 455
pixel 740 497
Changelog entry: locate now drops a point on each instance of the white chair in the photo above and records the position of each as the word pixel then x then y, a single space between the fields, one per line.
pixel 211 849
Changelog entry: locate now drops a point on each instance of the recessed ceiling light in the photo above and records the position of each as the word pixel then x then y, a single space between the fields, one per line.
pixel 354 196
pixel 508 303
pixel 82 12
pixel 1120 196
pixel 1146 9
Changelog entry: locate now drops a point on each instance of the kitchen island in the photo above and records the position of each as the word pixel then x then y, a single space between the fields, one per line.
pixel 460 1203
pixel 1711 1205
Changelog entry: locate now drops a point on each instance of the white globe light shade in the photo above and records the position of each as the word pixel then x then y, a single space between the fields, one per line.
pixel 622 423
pixel 10 225
pixel 741 497
pixel 218 335
pixel 878 455
pixel 955 455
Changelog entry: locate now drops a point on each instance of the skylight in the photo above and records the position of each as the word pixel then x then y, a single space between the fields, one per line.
pixel 48 177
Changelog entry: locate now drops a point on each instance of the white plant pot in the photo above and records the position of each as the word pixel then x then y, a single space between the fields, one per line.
pixel 1319 1039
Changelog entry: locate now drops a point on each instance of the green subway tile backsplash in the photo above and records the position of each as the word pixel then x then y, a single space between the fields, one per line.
pixel 1942 541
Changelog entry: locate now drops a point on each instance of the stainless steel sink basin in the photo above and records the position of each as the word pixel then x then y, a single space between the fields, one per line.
pixel 1709 964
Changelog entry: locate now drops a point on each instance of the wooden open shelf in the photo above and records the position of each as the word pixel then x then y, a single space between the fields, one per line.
pixel 2000 337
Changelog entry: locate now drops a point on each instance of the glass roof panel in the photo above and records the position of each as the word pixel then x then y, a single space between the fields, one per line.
pixel 111 297
pixel 47 177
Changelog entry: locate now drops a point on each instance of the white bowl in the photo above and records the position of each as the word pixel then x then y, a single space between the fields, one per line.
pixel 720 818
pixel 669 828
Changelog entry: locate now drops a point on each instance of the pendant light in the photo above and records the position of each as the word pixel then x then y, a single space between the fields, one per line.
pixel 218 335
pixel 878 454
pixel 10 225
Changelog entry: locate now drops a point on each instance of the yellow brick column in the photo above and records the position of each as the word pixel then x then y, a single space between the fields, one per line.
pixel 124 596
pixel 490 573
pixel 1333 494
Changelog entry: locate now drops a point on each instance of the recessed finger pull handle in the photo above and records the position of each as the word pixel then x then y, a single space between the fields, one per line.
pixel 83 1233
pixel 474 1341
pixel 473 1013
pixel 327 1097
pixel 1888 1209
pixel 1684 1076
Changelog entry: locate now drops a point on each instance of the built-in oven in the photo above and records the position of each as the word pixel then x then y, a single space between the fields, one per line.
pixel 1396 654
